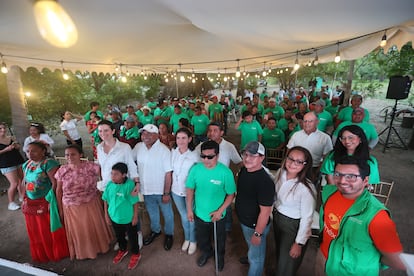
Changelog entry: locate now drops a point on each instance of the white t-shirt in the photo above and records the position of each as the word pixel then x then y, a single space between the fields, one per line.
pixel 70 127
pixel 121 152
pixel 43 137
pixel 318 143
pixel 153 164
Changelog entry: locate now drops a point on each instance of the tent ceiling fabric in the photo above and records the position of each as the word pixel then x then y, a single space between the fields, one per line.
pixel 189 32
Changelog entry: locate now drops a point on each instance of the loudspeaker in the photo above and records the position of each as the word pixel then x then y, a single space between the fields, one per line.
pixel 398 88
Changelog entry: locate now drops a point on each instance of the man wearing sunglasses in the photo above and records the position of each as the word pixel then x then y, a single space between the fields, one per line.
pixel 210 190
pixel 358 235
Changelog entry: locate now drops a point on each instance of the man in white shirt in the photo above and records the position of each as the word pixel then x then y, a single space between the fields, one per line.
pixel 154 167
pixel 317 142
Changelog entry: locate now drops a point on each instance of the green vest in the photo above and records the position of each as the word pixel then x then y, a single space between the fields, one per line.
pixel 353 252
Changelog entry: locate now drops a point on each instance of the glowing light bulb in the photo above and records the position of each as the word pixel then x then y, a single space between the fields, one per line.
pixel 54 24
pixel 4 69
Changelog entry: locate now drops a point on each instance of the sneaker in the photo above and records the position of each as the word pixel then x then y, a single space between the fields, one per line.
pixel 192 248
pixel 118 258
pixel 133 262
pixel 13 206
pixel 116 247
pixel 20 199
pixel 185 246
pixel 140 240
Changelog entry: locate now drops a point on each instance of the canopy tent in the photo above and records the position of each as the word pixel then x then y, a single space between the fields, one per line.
pixel 205 36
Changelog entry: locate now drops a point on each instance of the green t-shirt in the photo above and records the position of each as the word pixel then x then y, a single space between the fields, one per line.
pixel 133 132
pixel 87 116
pixel 325 120
pixel 120 201
pixel 332 109
pixel 249 132
pixel 175 118
pixel 368 129
pixel 272 138
pixel 277 111
pixel 214 108
pixel 145 120
pixel 166 112
pixel 211 186
pixel 190 113
pixel 283 124
pixel 200 124
pixel 328 167
pixel 139 113
pixel 346 114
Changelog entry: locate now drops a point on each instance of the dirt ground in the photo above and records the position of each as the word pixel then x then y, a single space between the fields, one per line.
pixel 395 164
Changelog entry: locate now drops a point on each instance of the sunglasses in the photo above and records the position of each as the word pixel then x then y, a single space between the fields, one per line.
pixel 209 157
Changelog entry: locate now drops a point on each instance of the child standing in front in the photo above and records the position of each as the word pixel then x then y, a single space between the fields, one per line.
pixel 121 211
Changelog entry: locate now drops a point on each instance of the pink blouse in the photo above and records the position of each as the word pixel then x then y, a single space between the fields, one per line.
pixel 78 184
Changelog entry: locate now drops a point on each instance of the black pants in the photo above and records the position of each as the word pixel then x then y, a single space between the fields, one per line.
pixel 78 142
pixel 286 229
pixel 131 231
pixel 204 231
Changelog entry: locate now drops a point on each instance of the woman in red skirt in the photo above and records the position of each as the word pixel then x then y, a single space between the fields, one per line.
pixel 46 234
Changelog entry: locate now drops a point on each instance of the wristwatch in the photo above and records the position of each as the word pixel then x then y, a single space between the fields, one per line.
pixel 257 234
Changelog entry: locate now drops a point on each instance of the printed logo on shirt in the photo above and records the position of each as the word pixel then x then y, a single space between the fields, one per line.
pixel 358 221
pixel 215 182
pixel 120 194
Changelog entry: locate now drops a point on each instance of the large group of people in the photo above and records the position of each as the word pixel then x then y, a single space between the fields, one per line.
pixel 174 152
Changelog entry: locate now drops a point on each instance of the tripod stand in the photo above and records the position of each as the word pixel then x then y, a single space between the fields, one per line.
pixel 391 128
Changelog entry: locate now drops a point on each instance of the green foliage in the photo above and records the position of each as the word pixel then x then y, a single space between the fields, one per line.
pixel 369 89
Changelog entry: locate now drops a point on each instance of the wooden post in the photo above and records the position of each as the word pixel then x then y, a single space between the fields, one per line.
pixel 17 104
pixel 348 88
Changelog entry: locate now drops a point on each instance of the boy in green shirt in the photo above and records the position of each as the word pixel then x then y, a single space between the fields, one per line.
pixel 121 211
pixel 250 129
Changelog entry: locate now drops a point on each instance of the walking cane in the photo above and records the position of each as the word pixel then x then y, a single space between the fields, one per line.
pixel 215 247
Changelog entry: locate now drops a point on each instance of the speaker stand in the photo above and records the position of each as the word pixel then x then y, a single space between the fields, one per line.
pixel 391 128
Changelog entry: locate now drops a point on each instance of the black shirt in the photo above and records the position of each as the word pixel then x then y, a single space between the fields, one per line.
pixel 253 189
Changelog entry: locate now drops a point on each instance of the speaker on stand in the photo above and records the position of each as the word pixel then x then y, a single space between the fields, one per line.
pixel 398 89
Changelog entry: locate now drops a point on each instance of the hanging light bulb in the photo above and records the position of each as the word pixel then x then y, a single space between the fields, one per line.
pixel 337 55
pixel 296 66
pixel 238 74
pixel 54 24
pixel 225 78
pixel 316 60
pixel 4 69
pixel 182 78
pixel 166 79
pixel 65 76
pixel 117 68
pixel 383 40
pixel 193 80
pixel 123 78
pixel 310 63
pixel 145 77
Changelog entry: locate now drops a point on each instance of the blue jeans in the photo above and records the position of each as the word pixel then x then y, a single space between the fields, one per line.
pixel 153 204
pixel 256 254
pixel 188 227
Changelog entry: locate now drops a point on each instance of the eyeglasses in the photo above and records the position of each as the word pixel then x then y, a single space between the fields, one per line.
pixel 297 162
pixel 345 138
pixel 209 157
pixel 245 155
pixel 349 177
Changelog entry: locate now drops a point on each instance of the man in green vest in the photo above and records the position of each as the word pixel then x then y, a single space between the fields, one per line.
pixel 358 235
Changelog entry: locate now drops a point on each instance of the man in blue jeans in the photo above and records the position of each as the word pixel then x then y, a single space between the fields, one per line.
pixel 255 196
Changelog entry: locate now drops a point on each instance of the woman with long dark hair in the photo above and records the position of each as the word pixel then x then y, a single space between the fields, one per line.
pixel 351 141
pixel 183 158
pixel 292 217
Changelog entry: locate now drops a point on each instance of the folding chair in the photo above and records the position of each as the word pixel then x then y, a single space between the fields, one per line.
pixel 382 191
pixel 274 158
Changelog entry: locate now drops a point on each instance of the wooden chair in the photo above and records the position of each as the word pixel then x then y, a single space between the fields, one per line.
pixel 274 158
pixel 382 191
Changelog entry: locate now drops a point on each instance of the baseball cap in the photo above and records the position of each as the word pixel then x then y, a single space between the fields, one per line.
pixel 254 147
pixel 150 128
pixel 130 119
pixel 320 102
pixel 129 105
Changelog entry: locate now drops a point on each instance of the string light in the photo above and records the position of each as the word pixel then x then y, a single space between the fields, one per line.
pixel 65 76
pixel 238 69
pixel 264 73
pixel 384 40
pixel 296 66
pixel 337 55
